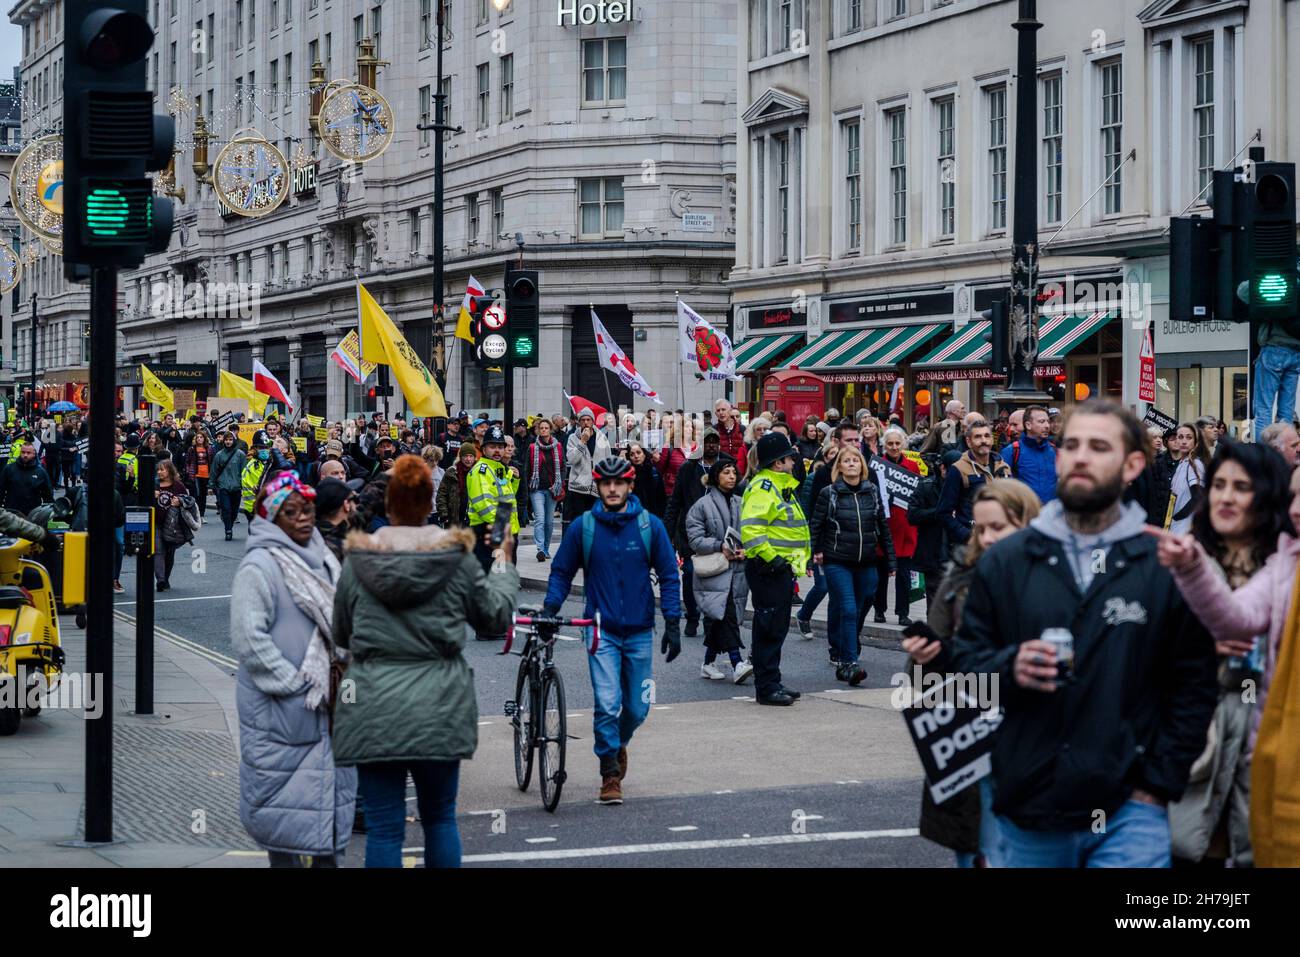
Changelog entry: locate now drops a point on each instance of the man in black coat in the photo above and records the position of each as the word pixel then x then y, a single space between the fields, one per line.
pixel 24 484
pixel 1087 759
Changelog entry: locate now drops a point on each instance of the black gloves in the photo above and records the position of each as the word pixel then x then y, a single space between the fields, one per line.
pixel 919 629
pixel 672 643
pixel 550 613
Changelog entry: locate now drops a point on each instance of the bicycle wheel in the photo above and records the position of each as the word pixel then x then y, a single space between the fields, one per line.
pixel 553 735
pixel 523 726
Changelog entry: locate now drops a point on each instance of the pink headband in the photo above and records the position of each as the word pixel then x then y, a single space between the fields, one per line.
pixel 278 491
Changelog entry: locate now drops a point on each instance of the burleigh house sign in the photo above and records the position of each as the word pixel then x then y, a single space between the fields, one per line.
pixel 600 11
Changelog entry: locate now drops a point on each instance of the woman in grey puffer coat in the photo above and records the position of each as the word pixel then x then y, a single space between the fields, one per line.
pixel 721 597
pixel 292 799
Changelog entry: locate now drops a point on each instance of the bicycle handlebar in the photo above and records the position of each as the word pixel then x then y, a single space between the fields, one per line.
pixel 537 620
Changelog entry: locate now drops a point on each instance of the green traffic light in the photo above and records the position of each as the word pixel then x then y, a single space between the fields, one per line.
pixel 107 211
pixel 523 347
pixel 1272 287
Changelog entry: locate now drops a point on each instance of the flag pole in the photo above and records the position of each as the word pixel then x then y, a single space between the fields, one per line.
pixel 681 381
pixel 609 396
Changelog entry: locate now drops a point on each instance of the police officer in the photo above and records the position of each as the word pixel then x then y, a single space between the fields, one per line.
pixel 774 535
pixel 255 471
pixel 128 469
pixel 490 483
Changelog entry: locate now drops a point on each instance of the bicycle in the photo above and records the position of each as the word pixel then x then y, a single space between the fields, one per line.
pixel 537 714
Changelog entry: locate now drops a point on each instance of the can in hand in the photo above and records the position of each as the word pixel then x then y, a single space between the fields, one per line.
pixel 1063 641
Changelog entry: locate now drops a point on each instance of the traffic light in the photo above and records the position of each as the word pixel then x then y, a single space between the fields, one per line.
pixel 996 316
pixel 523 318
pixel 1191 257
pixel 380 391
pixel 1272 243
pixel 111 138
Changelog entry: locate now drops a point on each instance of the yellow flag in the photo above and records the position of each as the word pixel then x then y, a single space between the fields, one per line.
pixel 155 391
pixel 381 342
pixel 237 387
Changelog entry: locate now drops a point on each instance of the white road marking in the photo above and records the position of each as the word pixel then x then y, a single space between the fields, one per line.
pixel 567 638
pixel 163 601
pixel 684 827
pixel 810 817
pixel 662 707
pixel 477 813
pixel 201 650
pixel 481 723
pixel 540 840
pixel 727 791
pixel 741 697
pixel 674 846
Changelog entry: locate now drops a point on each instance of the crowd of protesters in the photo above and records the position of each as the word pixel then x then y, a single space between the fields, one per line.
pixel 365 544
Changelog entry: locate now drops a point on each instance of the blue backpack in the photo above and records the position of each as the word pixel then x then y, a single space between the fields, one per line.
pixel 589 536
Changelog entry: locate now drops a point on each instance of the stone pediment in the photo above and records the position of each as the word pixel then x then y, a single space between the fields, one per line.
pixel 774 105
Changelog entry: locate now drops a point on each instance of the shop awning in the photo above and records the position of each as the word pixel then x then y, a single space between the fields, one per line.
pixel 1057 335
pixel 758 351
pixel 862 348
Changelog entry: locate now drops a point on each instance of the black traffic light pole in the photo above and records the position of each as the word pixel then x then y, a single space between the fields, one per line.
pixel 100 547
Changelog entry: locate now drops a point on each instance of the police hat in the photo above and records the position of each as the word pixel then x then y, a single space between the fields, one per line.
pixel 132 441
pixel 773 447
pixel 261 440
pixel 494 436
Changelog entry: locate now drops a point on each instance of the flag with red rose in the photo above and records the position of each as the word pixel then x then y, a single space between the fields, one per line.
pixel 614 360
pixel 705 348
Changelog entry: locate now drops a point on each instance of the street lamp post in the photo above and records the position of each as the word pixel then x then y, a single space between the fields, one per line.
pixel 31 406
pixel 1022 307
pixel 439 357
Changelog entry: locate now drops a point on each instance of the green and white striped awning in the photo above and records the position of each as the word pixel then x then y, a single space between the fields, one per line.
pixel 1057 335
pixel 757 352
pixel 863 348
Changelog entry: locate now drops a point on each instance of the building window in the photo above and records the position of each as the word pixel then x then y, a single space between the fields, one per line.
pixel 996 99
pixel 414 219
pixel 198 33
pixel 600 208
pixel 252 21
pixel 288 79
pixel 275 13
pixel 482 12
pixel 426 24
pixel 484 93
pixel 272 254
pixel 947 160
pixel 212 35
pixel 288 11
pixel 498 211
pixel 853 182
pixel 896 128
pixel 252 97
pixel 239 23
pixel 358 31
pixel 471 227
pixel 377 27
pixel 783 197
pixel 425 100
pixel 329 56
pixel 1203 111
pixel 313 52
pixel 1112 126
pixel 1053 181
pixel 853 18
pixel 275 83
pixel 507 86
pixel 171 68
pixel 604 71
pixel 308 257
pixel 897 8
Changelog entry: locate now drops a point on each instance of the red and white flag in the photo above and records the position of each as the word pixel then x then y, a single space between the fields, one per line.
pixel 267 384
pixel 613 359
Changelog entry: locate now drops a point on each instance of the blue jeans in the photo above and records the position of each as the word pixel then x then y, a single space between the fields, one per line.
pixel 1276 372
pixel 852 589
pixel 228 503
pixel 119 550
pixel 622 689
pixel 384 784
pixel 1136 835
pixel 543 503
pixel 990 835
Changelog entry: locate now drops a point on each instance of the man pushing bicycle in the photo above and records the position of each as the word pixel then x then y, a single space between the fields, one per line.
pixel 618 543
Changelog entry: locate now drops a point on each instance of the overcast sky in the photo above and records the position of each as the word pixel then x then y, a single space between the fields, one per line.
pixel 11 49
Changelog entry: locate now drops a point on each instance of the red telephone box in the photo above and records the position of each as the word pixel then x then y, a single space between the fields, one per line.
pixel 798 394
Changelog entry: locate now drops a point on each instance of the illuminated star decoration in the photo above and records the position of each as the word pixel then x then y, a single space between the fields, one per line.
pixel 357 123
pixel 11 269
pixel 253 176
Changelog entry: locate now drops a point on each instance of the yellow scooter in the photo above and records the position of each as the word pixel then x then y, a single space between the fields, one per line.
pixel 31 654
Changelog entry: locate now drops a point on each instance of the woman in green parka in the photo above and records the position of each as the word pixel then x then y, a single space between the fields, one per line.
pixel 407 703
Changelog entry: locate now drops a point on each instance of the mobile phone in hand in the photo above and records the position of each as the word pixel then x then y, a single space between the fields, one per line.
pixel 501 527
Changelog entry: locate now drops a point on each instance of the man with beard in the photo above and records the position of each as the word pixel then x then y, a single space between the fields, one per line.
pixel 1104 719
pixel 967 475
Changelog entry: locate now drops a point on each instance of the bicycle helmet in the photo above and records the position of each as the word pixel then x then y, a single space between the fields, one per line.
pixel 613 467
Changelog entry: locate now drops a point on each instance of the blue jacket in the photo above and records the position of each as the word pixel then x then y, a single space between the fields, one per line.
pixel 618 581
pixel 1037 465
